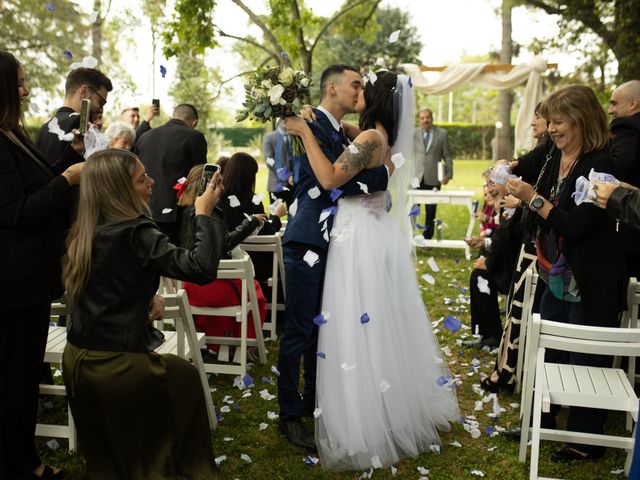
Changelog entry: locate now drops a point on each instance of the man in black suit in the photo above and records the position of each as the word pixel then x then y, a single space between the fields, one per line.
pixel 624 107
pixel 81 83
pixel 340 86
pixel 168 153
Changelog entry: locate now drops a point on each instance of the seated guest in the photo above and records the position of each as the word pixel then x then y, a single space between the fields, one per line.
pixel 121 135
pixel 221 292
pixel 487 216
pixel 138 414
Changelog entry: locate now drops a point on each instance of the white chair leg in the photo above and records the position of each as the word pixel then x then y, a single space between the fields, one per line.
pixel 537 417
pixel 73 434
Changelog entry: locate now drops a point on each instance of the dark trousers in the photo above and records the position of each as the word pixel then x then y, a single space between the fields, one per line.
pixel 588 420
pixel 485 311
pixel 300 334
pixel 23 338
pixel 430 212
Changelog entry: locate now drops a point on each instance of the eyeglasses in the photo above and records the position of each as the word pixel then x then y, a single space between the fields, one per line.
pixel 103 100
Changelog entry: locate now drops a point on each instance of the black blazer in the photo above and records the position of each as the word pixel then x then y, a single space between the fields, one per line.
pixel 34 218
pixel 168 153
pixel 49 144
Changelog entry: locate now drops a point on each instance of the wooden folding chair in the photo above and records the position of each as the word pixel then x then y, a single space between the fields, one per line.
pixel 237 269
pixel 272 244
pixel 530 284
pixel 575 385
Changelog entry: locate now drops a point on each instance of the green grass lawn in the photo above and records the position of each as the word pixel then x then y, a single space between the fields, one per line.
pixel 497 457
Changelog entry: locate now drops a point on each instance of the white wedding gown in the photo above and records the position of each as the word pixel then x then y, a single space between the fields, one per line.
pixel 378 397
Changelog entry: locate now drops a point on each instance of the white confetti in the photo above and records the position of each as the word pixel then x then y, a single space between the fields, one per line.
pixel 364 187
pixel 228 400
pixel 263 426
pixel 53 444
pixel 225 409
pixel 433 265
pixel 34 107
pixel 491 449
pixel 478 473
pixel 87 62
pixel 227 439
pixel 167 210
pixel 311 258
pixel 272 416
pixel 479 405
pixel 265 395
pixel 475 433
pixel 617 471
pixel 93 17
pixel 435 449
pixel 384 385
pixel 314 192
pixel 54 127
pixel 57 373
pixel 233 201
pixel 275 370
pixel 353 149
pixel 393 38
pixel 456 444
pixel 414 182
pixel 372 77
pixel 375 462
pixel 398 159
pixel 274 205
pixel 347 368
pixel 258 198
pixel 324 215
pixel 220 459
pixel 270 161
pixel 325 235
pixel 245 457
pixel 293 209
pixel 483 285
pixel 423 471
pixel 394 470
pixel 325 226
pixel 429 279
pixel 317 412
pixel 311 460
pixel 514 405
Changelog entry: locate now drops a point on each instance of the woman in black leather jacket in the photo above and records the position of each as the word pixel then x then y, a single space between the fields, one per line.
pixel 138 414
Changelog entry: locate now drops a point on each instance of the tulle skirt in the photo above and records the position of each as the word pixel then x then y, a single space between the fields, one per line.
pixel 379 398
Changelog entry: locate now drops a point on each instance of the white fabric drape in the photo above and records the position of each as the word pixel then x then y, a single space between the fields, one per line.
pixel 457 75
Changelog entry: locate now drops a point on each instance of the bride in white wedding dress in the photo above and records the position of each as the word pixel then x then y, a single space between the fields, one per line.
pixel 380 396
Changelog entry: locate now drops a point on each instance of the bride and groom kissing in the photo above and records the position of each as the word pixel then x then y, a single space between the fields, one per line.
pixel 353 307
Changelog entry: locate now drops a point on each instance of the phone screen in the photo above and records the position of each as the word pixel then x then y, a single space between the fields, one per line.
pixel 85 112
pixel 207 175
pixel 156 103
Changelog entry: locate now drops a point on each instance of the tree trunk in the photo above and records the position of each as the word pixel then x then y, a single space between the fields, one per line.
pixel 503 135
pixel 96 32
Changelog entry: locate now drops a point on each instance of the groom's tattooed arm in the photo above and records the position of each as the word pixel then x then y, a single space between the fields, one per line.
pixel 357 156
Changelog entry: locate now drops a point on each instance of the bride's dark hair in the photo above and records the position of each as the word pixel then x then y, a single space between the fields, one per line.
pixel 378 99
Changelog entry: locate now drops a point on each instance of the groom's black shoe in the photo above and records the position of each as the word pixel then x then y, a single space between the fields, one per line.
pixel 297 434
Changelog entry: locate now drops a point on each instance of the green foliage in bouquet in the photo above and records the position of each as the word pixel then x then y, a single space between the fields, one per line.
pixel 274 92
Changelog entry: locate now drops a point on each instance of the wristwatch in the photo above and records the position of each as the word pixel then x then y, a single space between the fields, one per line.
pixel 536 203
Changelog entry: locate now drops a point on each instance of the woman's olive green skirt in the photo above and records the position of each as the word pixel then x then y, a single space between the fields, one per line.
pixel 138 415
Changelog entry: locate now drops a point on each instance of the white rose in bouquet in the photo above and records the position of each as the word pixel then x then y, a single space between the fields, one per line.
pixel 286 76
pixel 275 95
pixel 304 82
pixel 267 84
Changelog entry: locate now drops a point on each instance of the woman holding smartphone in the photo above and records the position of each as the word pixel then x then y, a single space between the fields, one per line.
pixel 138 414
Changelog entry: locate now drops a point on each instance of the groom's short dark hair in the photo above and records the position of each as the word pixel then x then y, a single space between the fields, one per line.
pixel 330 73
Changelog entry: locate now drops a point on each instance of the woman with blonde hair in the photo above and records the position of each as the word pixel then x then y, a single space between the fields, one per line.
pixel 576 245
pixel 138 414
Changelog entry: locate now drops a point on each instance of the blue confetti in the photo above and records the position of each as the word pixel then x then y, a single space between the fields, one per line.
pixel 421 227
pixel 335 137
pixel 364 318
pixel 335 194
pixel 284 173
pixel 52 324
pixel 247 380
pixel 443 380
pixel 219 417
pixel 163 71
pixel 321 355
pixel 50 7
pixel 319 320
pixel 410 83
pixel 68 54
pixel 452 324
pixel 310 461
pixel 489 430
pixel 415 211
pixel 284 54
pixel 330 210
pixel 457 260
pixel 464 290
pixel 236 406
pixel 279 187
pixel 267 380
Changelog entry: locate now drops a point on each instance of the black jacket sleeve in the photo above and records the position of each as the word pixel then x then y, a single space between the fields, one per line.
pixel 624 205
pixel 198 265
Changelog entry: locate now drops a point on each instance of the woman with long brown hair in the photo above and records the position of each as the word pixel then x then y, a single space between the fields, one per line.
pixel 138 414
pixel 34 204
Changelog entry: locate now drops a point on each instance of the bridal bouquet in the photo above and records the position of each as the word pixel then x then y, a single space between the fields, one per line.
pixel 275 92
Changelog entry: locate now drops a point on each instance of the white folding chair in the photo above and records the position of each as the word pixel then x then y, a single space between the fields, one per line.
pixel 56 341
pixel 575 385
pixel 237 269
pixel 177 308
pixel 272 244
pixel 530 284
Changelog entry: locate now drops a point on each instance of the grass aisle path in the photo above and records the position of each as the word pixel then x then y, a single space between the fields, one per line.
pixel 272 457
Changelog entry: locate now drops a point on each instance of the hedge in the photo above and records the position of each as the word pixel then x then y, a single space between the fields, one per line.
pixel 239 136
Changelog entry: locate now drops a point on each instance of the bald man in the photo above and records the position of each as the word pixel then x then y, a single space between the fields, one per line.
pixel 624 107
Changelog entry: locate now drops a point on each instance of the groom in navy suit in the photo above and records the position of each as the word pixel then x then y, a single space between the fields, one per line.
pixel 305 250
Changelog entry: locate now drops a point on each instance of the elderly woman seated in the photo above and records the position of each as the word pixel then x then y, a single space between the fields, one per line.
pixel 121 135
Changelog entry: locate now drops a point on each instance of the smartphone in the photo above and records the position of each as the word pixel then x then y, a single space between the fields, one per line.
pixel 85 115
pixel 207 174
pixel 156 103
pixel 475 205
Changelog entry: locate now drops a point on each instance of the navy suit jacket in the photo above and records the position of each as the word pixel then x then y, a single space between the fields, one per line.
pixel 303 227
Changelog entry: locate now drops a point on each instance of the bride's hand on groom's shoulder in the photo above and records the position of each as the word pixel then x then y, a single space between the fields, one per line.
pixel 307 113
